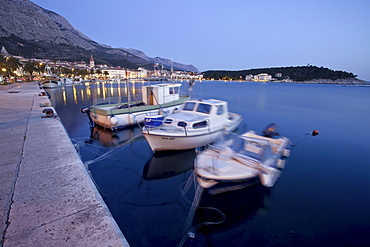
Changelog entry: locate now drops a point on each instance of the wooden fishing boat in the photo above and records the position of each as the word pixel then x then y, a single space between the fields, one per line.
pixel 156 99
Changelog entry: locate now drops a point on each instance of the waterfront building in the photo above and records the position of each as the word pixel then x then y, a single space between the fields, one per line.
pixel 249 77
pixel 115 73
pixel 260 77
pixel 263 77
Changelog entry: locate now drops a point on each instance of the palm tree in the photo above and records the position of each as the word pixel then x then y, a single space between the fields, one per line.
pixel 2 65
pixel 30 67
pixel 40 67
pixel 106 73
pixel 98 71
pixel 12 65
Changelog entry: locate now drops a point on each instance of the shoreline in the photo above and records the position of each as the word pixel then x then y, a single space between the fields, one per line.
pixel 348 81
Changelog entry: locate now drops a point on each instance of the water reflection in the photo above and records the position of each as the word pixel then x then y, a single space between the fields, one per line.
pixel 310 207
pixel 103 90
pixel 168 164
pixel 108 138
pixel 238 205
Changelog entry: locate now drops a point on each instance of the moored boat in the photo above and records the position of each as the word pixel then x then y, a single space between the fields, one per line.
pixel 49 83
pixel 196 123
pixel 243 158
pixel 65 80
pixel 156 99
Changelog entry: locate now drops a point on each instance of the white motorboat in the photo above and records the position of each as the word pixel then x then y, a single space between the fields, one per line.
pixel 156 99
pixel 242 158
pixel 50 83
pixel 197 123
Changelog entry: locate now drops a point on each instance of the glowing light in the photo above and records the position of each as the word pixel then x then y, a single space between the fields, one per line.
pixel 75 94
pixel 64 97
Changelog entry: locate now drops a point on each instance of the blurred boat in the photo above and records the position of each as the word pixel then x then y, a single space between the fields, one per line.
pixel 197 123
pixel 243 158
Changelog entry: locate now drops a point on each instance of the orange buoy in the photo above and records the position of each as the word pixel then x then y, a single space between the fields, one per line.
pixel 314 132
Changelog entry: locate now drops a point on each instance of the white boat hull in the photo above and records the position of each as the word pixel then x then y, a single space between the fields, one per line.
pixel 163 139
pixel 158 99
pixel 49 84
pixel 117 121
pixel 181 142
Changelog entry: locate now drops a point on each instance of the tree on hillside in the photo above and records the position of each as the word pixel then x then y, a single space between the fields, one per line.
pixel 299 73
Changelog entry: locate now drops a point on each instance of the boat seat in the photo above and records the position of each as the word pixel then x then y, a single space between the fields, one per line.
pixel 242 147
pixel 257 152
pixel 238 145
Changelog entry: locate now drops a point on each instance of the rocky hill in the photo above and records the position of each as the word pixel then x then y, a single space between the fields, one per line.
pixel 28 30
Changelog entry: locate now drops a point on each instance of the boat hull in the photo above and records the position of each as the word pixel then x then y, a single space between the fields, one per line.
pixel 49 84
pixel 162 140
pixel 120 118
pixel 180 142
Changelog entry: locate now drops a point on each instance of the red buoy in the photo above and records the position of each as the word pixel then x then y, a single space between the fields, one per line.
pixel 314 132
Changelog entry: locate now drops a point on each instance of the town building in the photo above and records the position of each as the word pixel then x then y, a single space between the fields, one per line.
pixel 260 77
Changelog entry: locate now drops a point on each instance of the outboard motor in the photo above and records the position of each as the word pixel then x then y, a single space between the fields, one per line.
pixel 87 111
pixel 271 130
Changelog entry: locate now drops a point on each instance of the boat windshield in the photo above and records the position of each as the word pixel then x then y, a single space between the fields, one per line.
pixel 204 108
pixel 189 106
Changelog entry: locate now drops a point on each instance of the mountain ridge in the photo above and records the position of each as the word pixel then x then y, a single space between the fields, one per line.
pixel 29 30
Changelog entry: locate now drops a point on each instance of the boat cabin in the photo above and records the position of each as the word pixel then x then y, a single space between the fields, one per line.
pixel 161 93
pixel 198 114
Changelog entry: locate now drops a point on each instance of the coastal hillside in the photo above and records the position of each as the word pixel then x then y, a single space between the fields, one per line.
pixel 308 73
pixel 28 30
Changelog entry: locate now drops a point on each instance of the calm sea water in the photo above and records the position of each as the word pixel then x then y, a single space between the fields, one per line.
pixel 322 197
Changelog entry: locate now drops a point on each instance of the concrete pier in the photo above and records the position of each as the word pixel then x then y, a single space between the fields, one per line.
pixel 46 195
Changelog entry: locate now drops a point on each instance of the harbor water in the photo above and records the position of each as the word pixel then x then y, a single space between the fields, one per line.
pixel 322 197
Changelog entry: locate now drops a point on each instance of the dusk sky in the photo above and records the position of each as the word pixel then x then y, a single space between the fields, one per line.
pixel 233 34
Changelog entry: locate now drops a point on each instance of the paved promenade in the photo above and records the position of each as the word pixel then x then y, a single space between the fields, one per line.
pixel 46 195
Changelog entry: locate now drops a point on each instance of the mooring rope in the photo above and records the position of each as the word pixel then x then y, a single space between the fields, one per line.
pixel 189 233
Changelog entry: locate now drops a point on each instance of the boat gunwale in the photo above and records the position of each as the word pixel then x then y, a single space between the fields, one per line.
pixel 103 112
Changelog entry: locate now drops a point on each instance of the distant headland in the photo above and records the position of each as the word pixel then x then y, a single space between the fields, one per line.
pixel 298 74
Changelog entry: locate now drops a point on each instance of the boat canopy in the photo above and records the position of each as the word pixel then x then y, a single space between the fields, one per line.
pixel 161 93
